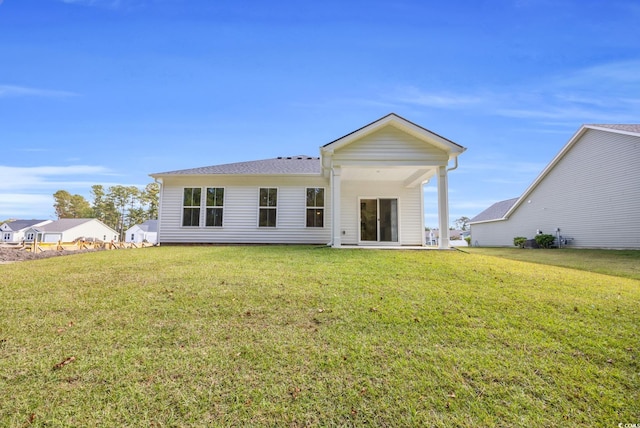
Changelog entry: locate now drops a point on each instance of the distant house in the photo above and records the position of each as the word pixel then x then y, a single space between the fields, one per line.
pixel 144 232
pixel 366 188
pixel 14 231
pixel 589 194
pixel 72 229
pixel 456 237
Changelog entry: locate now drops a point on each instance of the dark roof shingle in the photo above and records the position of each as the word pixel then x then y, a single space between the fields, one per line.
pixel 300 164
pixel 495 211
pixel 22 224
pixel 631 127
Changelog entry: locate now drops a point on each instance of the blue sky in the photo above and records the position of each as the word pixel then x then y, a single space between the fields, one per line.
pixel 109 91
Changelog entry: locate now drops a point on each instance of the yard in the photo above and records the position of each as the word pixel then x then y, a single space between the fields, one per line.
pixel 299 336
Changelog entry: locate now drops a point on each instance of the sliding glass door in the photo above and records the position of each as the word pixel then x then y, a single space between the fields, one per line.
pixel 379 220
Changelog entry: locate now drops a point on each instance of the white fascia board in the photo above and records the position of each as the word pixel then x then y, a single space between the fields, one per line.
pixel 617 131
pixel 402 124
pixel 493 220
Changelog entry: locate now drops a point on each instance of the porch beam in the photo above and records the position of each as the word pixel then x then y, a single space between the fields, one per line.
pixel 416 178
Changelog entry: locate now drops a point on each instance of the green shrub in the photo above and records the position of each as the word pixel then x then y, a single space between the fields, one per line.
pixel 468 239
pixel 544 240
pixel 519 241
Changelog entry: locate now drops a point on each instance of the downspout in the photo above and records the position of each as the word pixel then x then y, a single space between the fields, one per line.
pixel 455 166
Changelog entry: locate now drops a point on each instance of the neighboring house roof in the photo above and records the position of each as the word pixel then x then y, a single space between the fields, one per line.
pixel 626 129
pixel 495 211
pixel 631 128
pixel 149 226
pixel 63 224
pixel 23 224
pixel 300 164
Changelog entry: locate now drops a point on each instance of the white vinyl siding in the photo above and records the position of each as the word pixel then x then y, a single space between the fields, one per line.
pixel 87 230
pixel 390 144
pixel 411 228
pixel 241 211
pixel 592 194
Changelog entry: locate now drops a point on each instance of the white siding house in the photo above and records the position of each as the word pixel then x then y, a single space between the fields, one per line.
pixel 365 188
pixel 14 231
pixel 590 193
pixel 143 232
pixel 72 229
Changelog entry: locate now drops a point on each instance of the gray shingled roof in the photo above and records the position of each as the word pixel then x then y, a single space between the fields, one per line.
pixel 63 224
pixel 300 164
pixel 22 224
pixel 620 127
pixel 495 211
pixel 149 226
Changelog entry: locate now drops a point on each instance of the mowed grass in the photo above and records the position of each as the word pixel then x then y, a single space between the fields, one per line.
pixel 624 263
pixel 308 336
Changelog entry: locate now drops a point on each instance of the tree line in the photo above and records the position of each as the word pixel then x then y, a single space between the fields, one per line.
pixel 119 207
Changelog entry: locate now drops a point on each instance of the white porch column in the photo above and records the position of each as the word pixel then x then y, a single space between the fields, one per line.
pixel 423 232
pixel 335 207
pixel 443 208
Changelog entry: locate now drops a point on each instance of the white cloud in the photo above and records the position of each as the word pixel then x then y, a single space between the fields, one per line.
pixel 26 206
pixel 603 93
pixel 613 73
pixel 24 91
pixel 105 4
pixel 40 177
pixel 27 192
pixel 417 96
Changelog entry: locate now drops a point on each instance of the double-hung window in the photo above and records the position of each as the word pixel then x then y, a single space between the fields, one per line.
pixel 315 207
pixel 268 207
pixel 215 206
pixel 191 206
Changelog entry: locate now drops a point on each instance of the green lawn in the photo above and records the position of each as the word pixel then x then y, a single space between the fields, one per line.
pixel 299 336
pixel 625 263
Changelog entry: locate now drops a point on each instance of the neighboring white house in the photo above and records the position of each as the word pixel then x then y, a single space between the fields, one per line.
pixel 365 188
pixel 72 229
pixel 456 237
pixel 144 232
pixel 589 195
pixel 14 231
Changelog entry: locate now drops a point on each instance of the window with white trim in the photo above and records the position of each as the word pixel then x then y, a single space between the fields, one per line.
pixel 315 207
pixel 214 206
pixel 191 206
pixel 268 210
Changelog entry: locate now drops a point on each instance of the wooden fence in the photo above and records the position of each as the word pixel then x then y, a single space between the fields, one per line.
pixel 37 247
